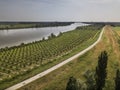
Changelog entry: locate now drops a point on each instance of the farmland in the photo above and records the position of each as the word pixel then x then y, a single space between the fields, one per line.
pixel 19 63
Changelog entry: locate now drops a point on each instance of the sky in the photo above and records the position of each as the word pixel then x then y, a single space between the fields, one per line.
pixel 60 10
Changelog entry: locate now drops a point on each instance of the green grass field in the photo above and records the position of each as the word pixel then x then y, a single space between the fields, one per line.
pixel 58 79
pixel 22 62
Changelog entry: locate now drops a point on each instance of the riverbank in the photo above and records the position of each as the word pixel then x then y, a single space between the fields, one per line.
pixel 9 38
pixel 16 67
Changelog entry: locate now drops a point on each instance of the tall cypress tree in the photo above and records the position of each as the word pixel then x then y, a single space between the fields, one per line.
pixel 101 70
pixel 117 80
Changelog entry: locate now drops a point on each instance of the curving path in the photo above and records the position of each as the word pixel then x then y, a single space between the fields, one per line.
pixel 23 83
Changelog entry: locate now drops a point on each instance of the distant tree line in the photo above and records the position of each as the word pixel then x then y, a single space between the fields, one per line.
pixel 17 25
pixel 91 27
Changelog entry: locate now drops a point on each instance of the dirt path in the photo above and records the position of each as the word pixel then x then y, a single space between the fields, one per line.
pixel 112 41
pixel 112 47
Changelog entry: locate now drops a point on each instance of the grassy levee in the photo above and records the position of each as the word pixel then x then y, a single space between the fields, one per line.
pixel 20 63
pixel 58 79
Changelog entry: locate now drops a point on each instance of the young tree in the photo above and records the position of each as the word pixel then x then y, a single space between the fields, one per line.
pixel 90 79
pixel 43 39
pixel 117 80
pixel 60 33
pixel 71 85
pixel 53 35
pixel 74 84
pixel 101 70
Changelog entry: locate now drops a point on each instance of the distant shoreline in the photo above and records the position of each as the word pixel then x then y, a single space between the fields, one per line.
pixel 22 25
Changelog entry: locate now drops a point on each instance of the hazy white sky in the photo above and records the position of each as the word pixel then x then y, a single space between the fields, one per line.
pixel 60 10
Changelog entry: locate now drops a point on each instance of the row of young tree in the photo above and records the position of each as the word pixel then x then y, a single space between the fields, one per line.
pixel 96 80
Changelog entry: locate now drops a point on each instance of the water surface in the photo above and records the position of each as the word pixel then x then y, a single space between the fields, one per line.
pixel 14 37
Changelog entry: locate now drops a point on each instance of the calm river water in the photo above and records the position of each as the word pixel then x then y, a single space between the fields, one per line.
pixel 14 37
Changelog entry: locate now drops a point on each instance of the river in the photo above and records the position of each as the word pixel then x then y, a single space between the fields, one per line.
pixel 14 37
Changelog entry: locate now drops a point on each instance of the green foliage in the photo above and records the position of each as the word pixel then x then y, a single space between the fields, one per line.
pixel 60 34
pixel 90 79
pixel 71 85
pixel 101 72
pixel 91 27
pixel 51 36
pixel 74 84
pixel 117 80
pixel 94 81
